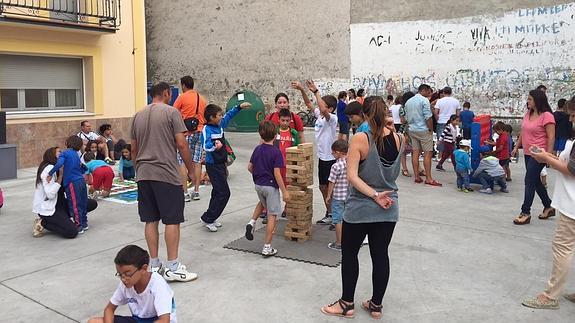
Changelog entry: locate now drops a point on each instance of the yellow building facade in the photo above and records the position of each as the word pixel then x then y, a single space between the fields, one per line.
pixel 65 61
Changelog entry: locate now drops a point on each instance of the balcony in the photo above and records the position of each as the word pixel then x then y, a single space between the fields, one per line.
pixel 98 15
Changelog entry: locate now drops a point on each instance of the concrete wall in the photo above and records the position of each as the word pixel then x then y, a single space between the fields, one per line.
pixel 236 44
pixel 262 45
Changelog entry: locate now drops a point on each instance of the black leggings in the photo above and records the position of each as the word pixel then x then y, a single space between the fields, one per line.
pixel 379 235
pixel 60 222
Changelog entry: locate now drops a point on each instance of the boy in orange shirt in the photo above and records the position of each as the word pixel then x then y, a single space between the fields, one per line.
pixel 192 107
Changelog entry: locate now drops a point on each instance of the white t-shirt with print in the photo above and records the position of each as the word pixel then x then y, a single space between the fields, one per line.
pixel 447 106
pixel 564 194
pixel 156 300
pixel 325 134
pixel 88 136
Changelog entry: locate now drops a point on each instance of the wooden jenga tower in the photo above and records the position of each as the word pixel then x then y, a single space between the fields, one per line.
pixel 299 209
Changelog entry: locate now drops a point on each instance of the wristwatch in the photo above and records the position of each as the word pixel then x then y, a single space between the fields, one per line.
pixel 375 195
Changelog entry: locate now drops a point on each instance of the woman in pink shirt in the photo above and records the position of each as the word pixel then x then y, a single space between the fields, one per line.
pixel 537 132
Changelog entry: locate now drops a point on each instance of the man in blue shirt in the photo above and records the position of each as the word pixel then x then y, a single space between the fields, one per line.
pixel 419 118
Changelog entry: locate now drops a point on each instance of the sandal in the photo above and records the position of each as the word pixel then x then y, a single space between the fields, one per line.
pixel 418 180
pixel 345 308
pixel 405 173
pixel 422 174
pixel 433 183
pixel 522 219
pixel 374 310
pixel 547 213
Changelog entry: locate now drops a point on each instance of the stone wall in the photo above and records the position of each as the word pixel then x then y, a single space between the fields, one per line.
pixel 259 45
pixel 35 137
pixel 262 45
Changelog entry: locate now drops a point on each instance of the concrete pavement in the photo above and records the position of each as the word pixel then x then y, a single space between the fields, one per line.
pixel 455 257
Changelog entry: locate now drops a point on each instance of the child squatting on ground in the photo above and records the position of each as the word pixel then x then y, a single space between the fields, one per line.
pixel 73 181
pixel 147 294
pixel 102 176
pixel 337 189
pixel 463 165
pixel 126 168
pixel 489 172
pixel 265 165
pixel 216 157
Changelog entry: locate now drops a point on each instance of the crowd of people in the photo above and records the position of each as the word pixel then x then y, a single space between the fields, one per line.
pixel 363 144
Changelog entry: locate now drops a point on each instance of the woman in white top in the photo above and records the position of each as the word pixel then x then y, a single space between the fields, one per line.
pixel 50 203
pixel 564 240
pixel 395 113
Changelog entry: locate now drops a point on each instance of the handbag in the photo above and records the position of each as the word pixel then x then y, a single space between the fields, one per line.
pixel 193 122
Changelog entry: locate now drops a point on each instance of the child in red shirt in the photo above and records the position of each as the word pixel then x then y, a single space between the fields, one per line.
pixel 286 137
pixel 502 148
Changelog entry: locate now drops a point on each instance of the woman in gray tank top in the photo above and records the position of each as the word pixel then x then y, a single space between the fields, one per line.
pixel 372 209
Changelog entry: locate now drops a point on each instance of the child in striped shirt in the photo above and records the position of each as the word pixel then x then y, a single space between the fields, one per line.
pixel 337 189
pixel 449 137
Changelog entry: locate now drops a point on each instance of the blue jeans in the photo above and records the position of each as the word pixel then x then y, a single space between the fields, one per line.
pixel 488 181
pixel 533 184
pixel 438 131
pixel 462 178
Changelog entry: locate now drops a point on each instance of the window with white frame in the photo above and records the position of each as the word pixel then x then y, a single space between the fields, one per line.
pixel 37 84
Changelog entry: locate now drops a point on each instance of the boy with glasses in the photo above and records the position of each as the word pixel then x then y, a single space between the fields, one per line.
pixel 147 294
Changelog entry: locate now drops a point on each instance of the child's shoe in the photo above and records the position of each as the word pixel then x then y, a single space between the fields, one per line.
pixel 212 227
pixel 486 190
pixel 249 232
pixel 326 219
pixel 440 168
pixel 504 190
pixel 465 190
pixel 196 196
pixel 187 197
pixel 334 246
pixel 469 189
pixel 460 189
pixel 268 251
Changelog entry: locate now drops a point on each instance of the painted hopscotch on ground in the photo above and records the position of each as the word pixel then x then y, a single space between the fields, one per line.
pixel 125 192
pixel 492 61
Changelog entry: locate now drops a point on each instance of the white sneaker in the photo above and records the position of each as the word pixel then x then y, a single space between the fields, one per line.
pixel 181 274
pixel 218 224
pixel 187 197
pixel 195 196
pixel 486 190
pixel 268 251
pixel 212 227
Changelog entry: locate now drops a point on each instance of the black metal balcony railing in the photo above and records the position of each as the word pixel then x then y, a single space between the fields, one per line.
pixel 101 13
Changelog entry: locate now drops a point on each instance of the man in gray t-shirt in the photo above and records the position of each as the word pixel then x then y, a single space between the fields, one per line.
pixel 158 131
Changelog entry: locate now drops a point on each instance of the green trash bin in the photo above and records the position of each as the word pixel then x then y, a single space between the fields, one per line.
pixel 247 120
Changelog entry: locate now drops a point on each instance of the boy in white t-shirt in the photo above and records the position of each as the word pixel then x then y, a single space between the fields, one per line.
pixel 325 134
pixel 147 294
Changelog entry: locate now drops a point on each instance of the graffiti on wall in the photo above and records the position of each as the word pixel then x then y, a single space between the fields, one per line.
pixel 491 61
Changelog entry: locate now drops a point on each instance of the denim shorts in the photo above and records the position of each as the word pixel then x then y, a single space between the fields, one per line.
pixel 337 208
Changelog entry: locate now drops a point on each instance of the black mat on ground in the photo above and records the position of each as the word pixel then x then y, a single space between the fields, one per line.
pixel 313 251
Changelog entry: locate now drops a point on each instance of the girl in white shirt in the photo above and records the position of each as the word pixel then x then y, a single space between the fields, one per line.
pixel 50 203
pixel 564 240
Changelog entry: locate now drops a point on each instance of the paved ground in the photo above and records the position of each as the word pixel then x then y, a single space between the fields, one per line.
pixel 455 257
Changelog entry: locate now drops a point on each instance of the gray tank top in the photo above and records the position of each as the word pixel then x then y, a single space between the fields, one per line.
pixel 360 208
